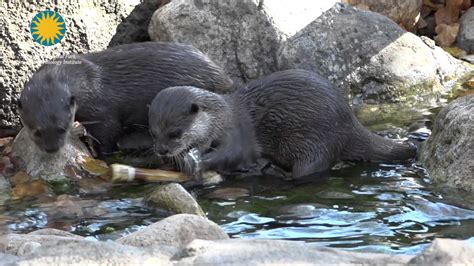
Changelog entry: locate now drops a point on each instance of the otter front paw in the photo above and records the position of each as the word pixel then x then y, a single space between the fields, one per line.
pixel 192 165
pixel 78 130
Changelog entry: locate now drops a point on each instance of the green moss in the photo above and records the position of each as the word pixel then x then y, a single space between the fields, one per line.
pixel 61 185
pixel 383 116
pixel 459 89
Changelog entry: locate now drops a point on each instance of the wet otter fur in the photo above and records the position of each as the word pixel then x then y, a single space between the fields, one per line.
pixel 109 91
pixel 294 118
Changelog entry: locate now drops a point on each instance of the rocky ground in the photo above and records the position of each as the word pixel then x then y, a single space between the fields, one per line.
pixel 188 240
pixel 367 55
pixel 449 152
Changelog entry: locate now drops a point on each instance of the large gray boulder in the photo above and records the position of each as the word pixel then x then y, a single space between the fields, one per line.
pixel 243 36
pixel 90 27
pixel 47 166
pixel 275 252
pixel 7 259
pixel 176 231
pixel 446 252
pixel 465 38
pixel 49 246
pixel 370 58
pixel 235 34
pixel 448 153
pixel 22 244
pixel 91 253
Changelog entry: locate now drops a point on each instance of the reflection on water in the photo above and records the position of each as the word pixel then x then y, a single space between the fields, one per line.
pixel 380 208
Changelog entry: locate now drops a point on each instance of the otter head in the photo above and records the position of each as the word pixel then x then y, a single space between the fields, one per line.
pixel 182 118
pixel 47 111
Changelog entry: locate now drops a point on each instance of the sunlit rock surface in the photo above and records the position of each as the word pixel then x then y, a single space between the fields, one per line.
pixel 371 59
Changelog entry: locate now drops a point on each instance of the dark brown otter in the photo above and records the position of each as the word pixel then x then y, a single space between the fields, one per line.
pixel 109 91
pixel 294 118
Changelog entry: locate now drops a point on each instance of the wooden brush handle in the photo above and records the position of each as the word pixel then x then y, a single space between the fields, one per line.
pixel 121 173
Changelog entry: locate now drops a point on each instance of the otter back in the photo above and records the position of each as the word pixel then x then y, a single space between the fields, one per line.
pixel 111 89
pixel 295 119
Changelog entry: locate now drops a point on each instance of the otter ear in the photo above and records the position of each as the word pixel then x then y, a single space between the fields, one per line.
pixel 194 108
pixel 18 102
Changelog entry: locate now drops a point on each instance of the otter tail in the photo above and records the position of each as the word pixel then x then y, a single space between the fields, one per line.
pixel 368 146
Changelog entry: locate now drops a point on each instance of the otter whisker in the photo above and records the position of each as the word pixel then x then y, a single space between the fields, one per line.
pixel 94 122
pixel 141 126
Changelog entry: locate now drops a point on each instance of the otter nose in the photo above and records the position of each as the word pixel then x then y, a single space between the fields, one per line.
pixel 51 150
pixel 163 151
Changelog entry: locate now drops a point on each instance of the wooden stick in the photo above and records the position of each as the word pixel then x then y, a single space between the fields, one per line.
pixel 121 173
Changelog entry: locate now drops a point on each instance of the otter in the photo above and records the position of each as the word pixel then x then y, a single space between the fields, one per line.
pixel 295 119
pixel 109 91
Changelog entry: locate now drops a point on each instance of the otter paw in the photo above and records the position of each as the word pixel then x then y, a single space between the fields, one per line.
pixel 192 165
pixel 78 129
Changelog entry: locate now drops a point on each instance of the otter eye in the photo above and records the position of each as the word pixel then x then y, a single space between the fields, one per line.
pixel 175 134
pixel 37 133
pixel 194 108
pixel 61 131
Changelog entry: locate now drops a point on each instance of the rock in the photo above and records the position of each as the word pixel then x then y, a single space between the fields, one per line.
pixel 447 15
pixel 276 252
pixel 52 232
pixel 49 167
pixel 465 39
pixel 91 253
pixel 134 28
pixel 4 184
pixel 228 193
pixel 468 58
pixel 173 197
pixel 90 26
pixel 67 207
pixel 371 59
pixel 16 243
pixel 177 231
pixel 449 151
pixel 7 259
pixel 446 34
pixel 236 34
pixel 469 84
pixel 429 29
pixel 27 248
pixel 35 188
pixel 4 190
pixel 446 252
pixel 292 16
pixel 405 13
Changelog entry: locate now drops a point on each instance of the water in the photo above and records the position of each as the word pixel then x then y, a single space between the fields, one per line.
pixel 389 208
pixel 379 208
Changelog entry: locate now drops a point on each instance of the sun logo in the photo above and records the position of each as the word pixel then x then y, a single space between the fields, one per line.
pixel 47 28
